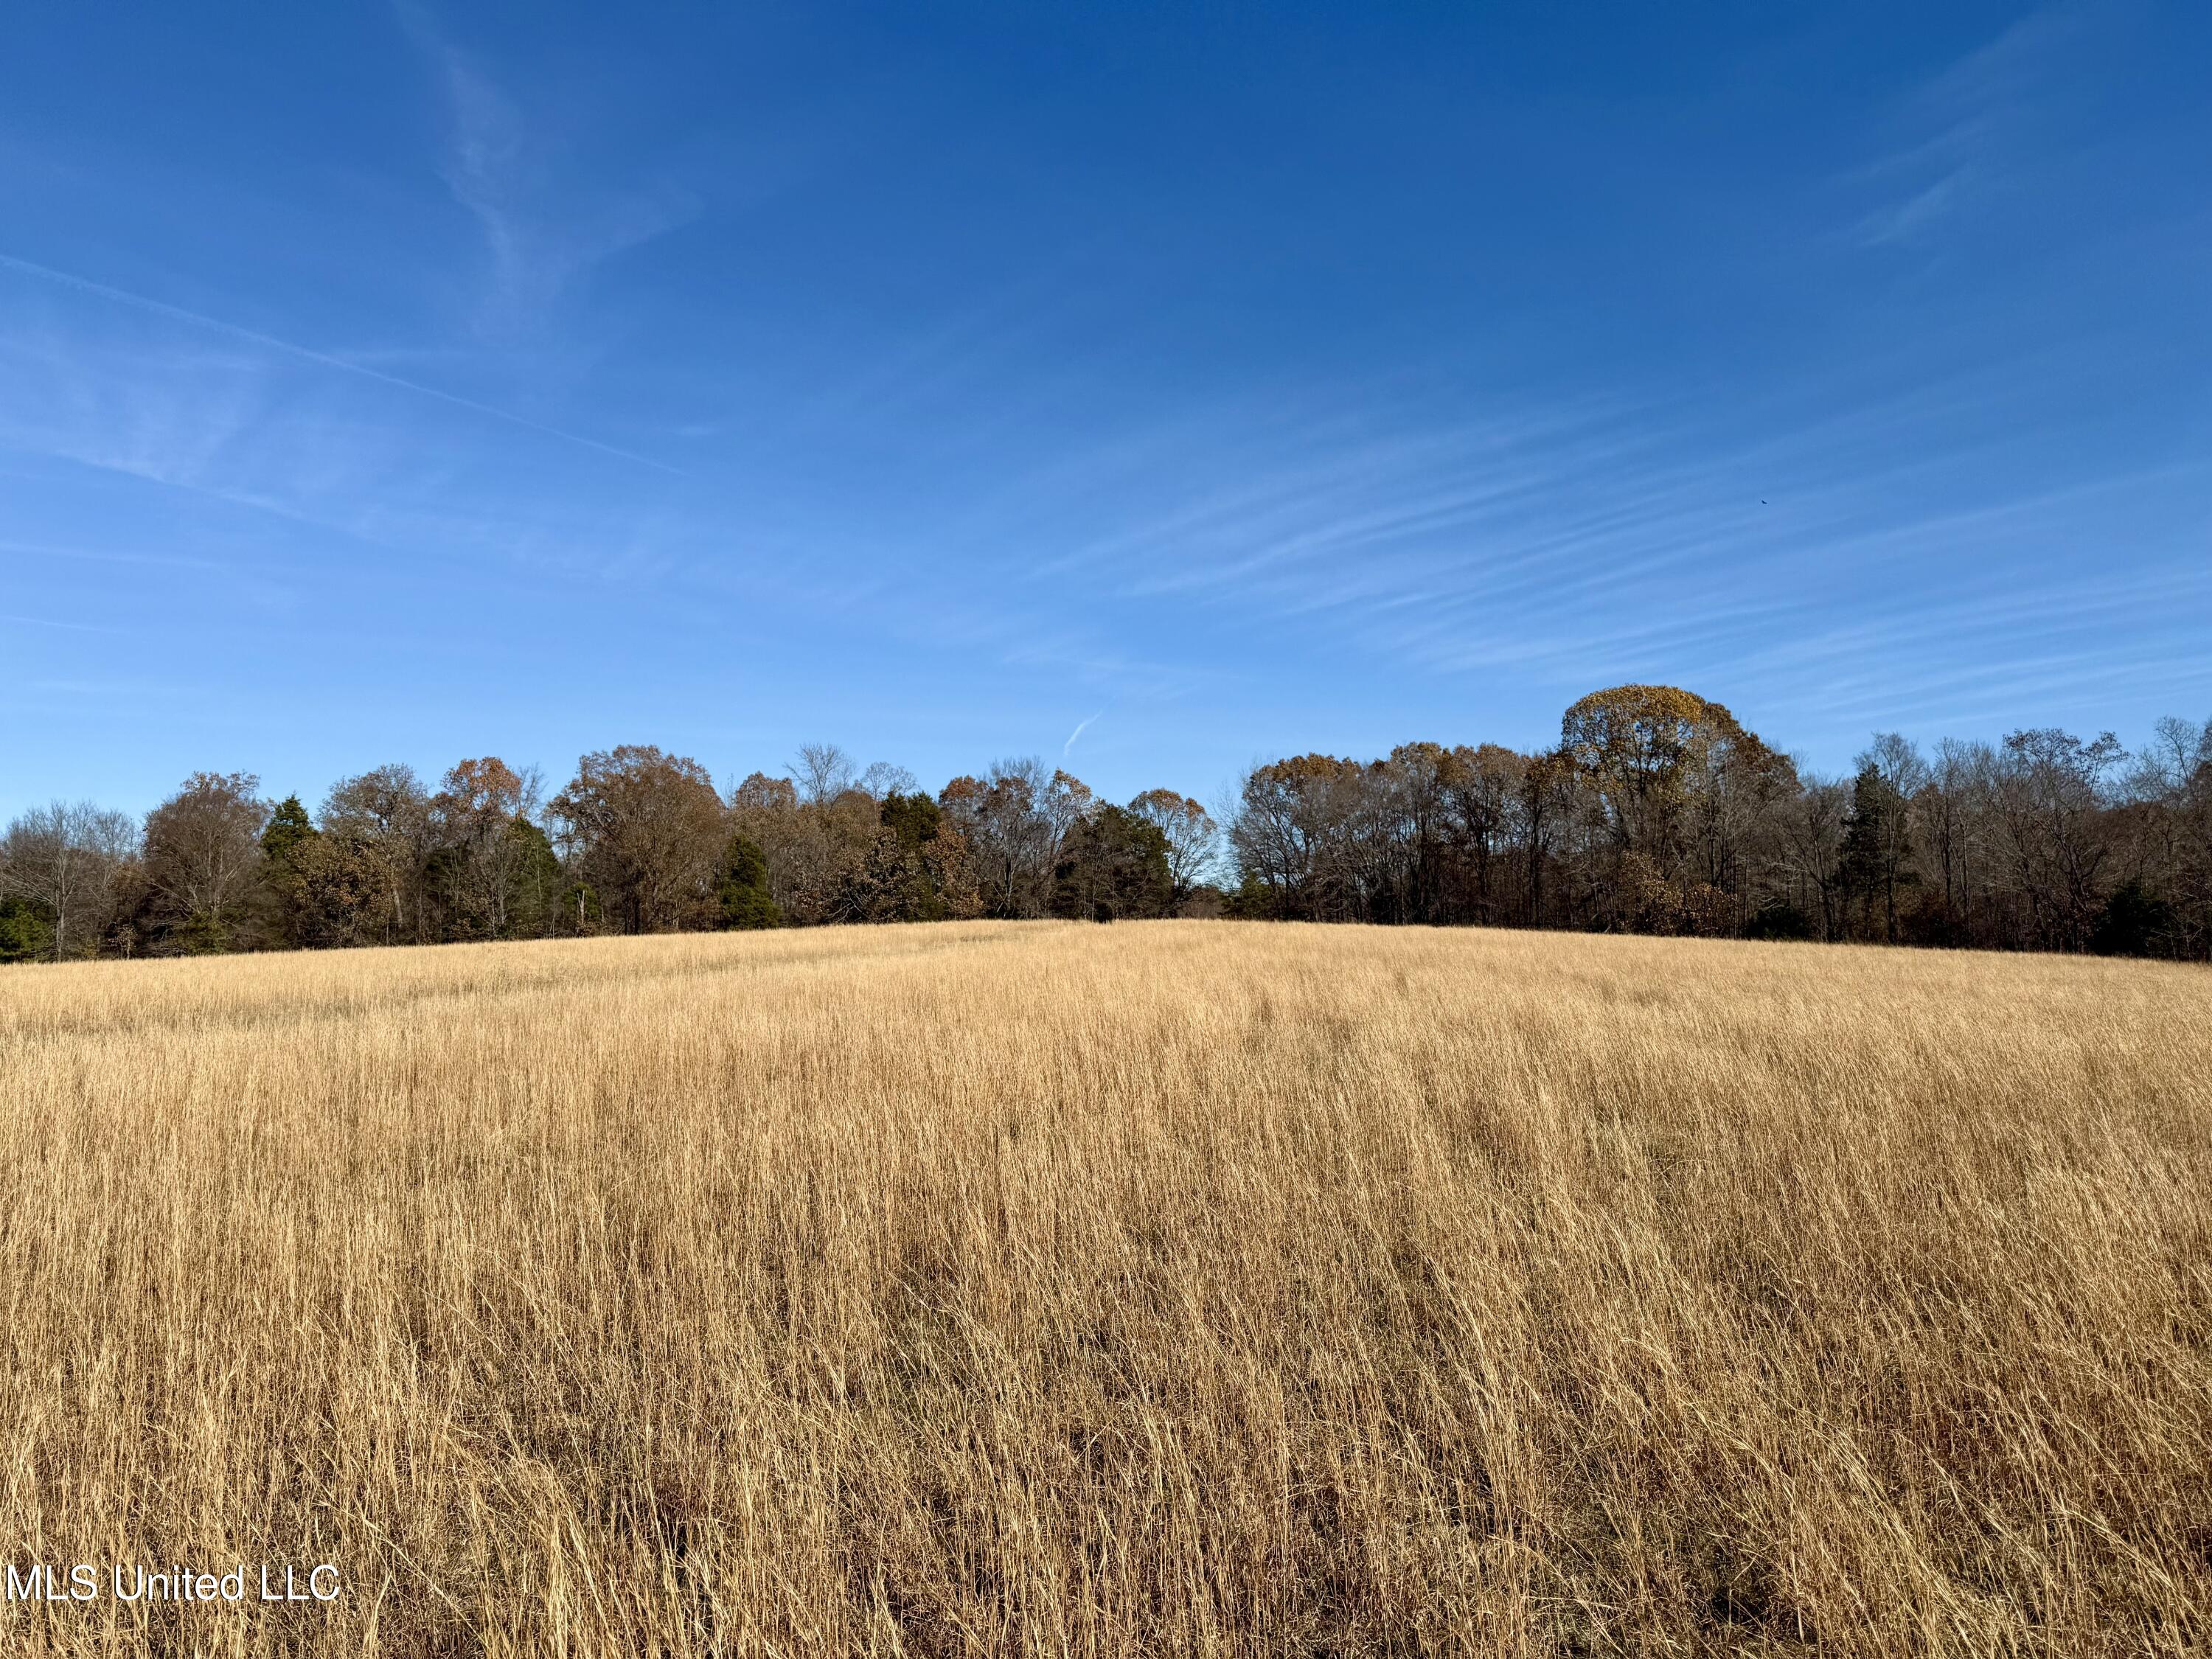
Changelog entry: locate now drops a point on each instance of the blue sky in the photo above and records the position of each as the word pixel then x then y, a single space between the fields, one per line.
pixel 405 383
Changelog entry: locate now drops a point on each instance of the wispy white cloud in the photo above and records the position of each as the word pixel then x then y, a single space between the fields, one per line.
pixel 1081 726
pixel 14 619
pixel 270 343
pixel 106 555
pixel 1973 130
pixel 546 224
pixel 1900 219
pixel 1571 543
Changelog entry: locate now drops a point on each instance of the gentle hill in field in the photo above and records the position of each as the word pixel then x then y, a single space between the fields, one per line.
pixel 1162 1288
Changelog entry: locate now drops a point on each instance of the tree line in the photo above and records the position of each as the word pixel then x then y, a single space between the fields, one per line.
pixel 1657 811
pixel 638 840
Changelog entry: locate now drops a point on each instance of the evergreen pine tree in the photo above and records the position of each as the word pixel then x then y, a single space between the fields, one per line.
pixel 27 931
pixel 288 826
pixel 535 881
pixel 287 845
pixel 743 887
pixel 1874 865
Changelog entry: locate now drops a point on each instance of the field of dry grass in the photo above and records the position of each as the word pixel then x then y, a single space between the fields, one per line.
pixel 1181 1288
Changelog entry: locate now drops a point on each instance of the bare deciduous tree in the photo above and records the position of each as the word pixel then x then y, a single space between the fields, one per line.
pixel 68 857
pixel 822 772
pixel 883 779
pixel 1013 823
pixel 204 854
pixel 2050 790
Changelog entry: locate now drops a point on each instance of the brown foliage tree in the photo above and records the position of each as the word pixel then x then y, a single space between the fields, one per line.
pixel 1013 823
pixel 647 831
pixel 1673 778
pixel 477 858
pixel 1191 835
pixel 385 815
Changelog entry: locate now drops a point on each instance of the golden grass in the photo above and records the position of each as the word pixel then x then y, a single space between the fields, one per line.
pixel 1179 1288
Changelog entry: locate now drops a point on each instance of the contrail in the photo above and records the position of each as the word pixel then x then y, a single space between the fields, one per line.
pixel 1076 734
pixel 178 313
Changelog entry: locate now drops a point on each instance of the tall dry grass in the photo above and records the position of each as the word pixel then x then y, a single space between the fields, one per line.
pixel 1151 1290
